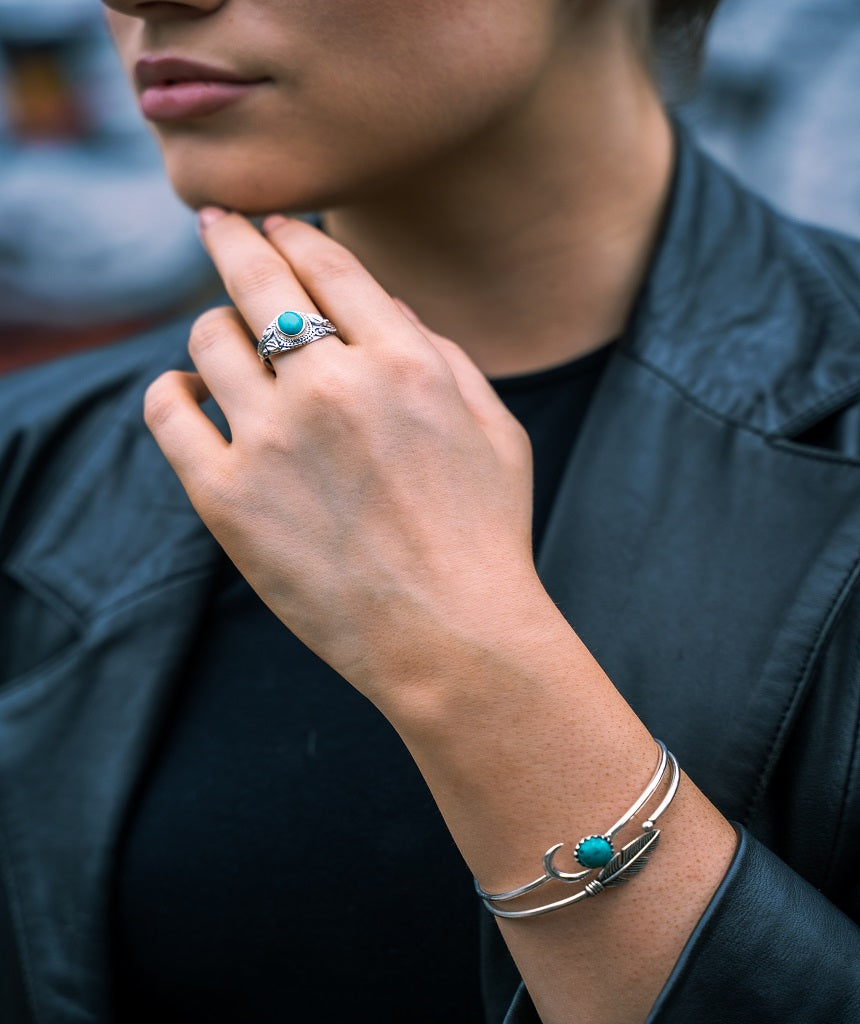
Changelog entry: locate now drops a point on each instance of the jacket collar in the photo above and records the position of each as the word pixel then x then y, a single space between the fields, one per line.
pixel 749 314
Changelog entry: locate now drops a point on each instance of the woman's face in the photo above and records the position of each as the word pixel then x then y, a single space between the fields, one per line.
pixel 335 97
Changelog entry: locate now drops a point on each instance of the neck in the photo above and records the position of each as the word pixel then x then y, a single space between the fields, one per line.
pixel 528 246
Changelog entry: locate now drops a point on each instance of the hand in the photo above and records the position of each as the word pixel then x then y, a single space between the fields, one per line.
pixel 375 492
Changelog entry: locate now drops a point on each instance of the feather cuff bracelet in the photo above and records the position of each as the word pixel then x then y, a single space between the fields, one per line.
pixel 596 852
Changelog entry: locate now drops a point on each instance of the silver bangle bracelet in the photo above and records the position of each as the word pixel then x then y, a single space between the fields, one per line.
pixel 596 851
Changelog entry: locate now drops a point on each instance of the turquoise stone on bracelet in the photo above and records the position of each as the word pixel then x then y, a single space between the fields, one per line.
pixel 593 851
pixel 291 323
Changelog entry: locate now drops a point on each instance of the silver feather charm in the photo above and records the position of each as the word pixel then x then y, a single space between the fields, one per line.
pixel 629 860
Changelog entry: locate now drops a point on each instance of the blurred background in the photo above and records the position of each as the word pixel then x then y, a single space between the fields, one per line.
pixel 92 239
pixel 779 103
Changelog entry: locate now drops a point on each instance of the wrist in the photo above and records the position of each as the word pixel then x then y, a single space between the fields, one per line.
pixel 475 663
pixel 520 735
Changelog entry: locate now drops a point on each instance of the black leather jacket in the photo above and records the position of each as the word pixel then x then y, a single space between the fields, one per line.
pixel 705 544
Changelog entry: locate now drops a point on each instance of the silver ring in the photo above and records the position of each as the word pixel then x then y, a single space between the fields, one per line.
pixel 292 329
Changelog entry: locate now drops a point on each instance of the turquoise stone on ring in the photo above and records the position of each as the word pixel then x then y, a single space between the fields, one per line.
pixel 593 851
pixel 291 323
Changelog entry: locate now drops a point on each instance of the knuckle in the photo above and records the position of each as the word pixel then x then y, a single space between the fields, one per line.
pixel 449 349
pixel 338 401
pixel 518 443
pixel 420 371
pixel 256 276
pixel 332 265
pixel 209 329
pixel 271 437
pixel 157 403
pixel 520 437
pixel 220 491
pixel 330 385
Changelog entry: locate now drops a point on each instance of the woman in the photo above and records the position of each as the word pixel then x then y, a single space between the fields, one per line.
pixel 241 839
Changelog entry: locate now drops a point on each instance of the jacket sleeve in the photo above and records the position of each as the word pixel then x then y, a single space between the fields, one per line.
pixel 769 948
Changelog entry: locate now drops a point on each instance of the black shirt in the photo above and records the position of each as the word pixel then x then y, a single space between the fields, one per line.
pixel 283 855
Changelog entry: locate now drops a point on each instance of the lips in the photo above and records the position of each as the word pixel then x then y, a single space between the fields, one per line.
pixel 173 89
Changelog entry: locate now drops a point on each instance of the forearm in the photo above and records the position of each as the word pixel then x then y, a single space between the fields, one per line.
pixel 532 747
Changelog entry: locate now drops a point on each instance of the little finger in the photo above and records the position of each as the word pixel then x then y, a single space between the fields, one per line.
pixel 477 392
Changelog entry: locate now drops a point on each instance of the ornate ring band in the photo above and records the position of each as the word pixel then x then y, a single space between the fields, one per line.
pixel 292 330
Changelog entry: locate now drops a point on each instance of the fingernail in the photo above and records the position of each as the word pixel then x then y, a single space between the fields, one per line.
pixel 208 215
pixel 274 221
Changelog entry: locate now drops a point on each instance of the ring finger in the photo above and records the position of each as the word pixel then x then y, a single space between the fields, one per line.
pixel 257 278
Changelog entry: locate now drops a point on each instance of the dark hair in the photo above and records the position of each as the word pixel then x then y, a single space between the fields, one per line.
pixel 678 33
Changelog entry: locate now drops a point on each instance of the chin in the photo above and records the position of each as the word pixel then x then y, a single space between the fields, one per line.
pixel 233 174
pixel 238 182
pixel 251 197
